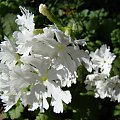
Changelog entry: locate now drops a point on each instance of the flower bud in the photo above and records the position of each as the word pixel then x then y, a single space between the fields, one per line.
pixel 43 9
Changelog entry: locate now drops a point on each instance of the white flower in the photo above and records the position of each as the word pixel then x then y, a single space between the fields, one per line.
pixel 98 83
pixel 4 77
pixel 36 67
pixel 9 100
pixel 102 89
pixel 114 88
pixel 92 79
pixel 81 56
pixel 58 96
pixel 14 82
pixel 64 49
pixel 103 86
pixel 69 53
pixel 8 53
pixel 25 35
pixel 109 88
pixel 66 77
pixel 63 52
pixel 102 60
pixel 36 98
pixel 47 76
pixel 26 20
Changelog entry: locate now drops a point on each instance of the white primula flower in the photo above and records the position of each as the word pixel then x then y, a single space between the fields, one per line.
pixel 58 47
pixel 8 53
pixel 81 56
pixel 101 89
pixel 68 52
pixel 24 41
pixel 58 95
pixel 110 88
pixel 42 44
pixel 4 77
pixel 26 20
pixel 14 82
pixel 25 35
pixel 9 96
pixel 102 60
pixel 9 99
pixel 93 78
pixel 63 52
pixel 98 83
pixel 22 76
pixel 103 86
pixel 114 88
pixel 66 77
pixel 36 67
pixel 47 76
pixel 36 98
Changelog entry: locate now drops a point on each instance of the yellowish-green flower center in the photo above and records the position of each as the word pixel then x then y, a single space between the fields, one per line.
pixel 43 78
pixel 61 47
pixel 18 60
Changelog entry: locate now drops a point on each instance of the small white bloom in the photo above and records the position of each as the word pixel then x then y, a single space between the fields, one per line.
pixel 114 88
pixel 36 98
pixel 93 78
pixel 58 95
pixel 102 60
pixel 8 53
pixel 103 86
pixel 25 35
pixel 26 20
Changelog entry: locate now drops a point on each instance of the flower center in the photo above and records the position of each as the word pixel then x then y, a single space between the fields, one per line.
pixel 43 78
pixel 61 47
pixel 18 60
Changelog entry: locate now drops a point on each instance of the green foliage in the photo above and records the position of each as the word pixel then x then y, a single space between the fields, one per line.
pixel 8 24
pixel 41 117
pixel 15 113
pixel 117 112
pixel 115 38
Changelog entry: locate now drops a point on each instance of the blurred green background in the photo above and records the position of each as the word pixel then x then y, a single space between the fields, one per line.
pixel 96 21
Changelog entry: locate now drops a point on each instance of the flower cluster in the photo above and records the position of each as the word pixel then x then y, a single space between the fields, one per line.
pixel 100 81
pixel 36 66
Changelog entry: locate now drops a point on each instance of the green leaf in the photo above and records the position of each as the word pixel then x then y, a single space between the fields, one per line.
pixel 117 110
pixel 8 24
pixel 41 117
pixel 16 113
